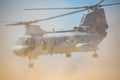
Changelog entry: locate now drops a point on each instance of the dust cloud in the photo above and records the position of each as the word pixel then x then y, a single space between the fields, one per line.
pixel 80 67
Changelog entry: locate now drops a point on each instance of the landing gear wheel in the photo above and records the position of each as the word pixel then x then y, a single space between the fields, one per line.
pixel 95 55
pixel 31 65
pixel 68 55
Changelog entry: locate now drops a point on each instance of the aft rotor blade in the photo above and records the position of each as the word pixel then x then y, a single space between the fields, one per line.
pixel 109 4
pixel 62 8
pixel 56 8
pixel 59 15
pixel 100 2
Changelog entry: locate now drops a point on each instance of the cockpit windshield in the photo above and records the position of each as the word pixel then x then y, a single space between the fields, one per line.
pixel 26 41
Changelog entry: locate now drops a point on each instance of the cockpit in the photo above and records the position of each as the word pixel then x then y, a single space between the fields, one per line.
pixel 24 44
pixel 26 41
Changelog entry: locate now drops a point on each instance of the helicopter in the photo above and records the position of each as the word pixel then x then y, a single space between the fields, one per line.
pixel 82 38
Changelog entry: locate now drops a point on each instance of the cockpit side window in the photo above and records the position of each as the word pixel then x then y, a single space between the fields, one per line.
pixel 20 41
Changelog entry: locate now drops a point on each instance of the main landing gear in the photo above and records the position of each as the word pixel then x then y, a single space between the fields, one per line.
pixel 31 65
pixel 95 55
pixel 68 55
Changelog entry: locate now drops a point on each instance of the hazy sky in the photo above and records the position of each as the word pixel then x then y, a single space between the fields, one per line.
pixel 57 67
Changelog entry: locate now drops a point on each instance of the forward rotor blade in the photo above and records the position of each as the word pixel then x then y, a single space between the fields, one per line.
pixel 15 24
pixel 45 19
pixel 59 15
pixel 20 23
pixel 100 2
pixel 62 8
pixel 109 4
pixel 4 22
pixel 56 8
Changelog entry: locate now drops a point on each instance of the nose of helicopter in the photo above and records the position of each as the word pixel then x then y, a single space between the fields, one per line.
pixel 20 50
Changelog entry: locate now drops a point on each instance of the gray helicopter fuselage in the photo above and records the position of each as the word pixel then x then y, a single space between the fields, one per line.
pixel 86 37
pixel 54 43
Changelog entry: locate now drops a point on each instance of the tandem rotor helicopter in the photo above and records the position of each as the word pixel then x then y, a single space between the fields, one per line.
pixel 82 38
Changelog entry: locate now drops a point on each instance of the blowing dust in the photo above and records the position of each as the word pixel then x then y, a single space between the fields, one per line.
pixel 80 67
